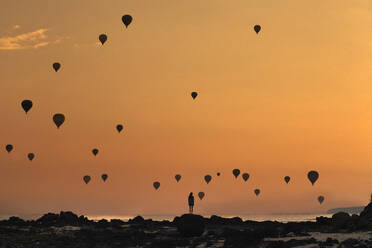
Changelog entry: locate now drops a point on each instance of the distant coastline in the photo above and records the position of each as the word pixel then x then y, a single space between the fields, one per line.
pixel 349 210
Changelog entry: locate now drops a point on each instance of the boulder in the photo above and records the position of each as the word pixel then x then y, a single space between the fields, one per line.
pixel 137 220
pixel 217 220
pixel 190 225
pixel 340 219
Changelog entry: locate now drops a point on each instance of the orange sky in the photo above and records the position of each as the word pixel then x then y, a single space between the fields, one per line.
pixel 295 97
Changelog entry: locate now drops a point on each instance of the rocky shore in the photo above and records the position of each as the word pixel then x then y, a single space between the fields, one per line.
pixel 66 229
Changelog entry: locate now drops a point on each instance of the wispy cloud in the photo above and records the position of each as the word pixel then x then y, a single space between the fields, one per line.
pixel 31 40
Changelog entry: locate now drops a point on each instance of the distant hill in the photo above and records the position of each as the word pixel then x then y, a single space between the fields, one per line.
pixel 350 210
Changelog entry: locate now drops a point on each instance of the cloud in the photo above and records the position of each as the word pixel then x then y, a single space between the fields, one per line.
pixel 31 40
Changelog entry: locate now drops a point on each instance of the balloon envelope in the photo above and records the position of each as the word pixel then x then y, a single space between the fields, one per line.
pixel 177 177
pixel 104 177
pixel 236 172
pixel 287 179
pixel 257 192
pixel 257 28
pixel 26 105
pixel 102 38
pixel 86 179
pixel 245 176
pixel 119 127
pixel 208 178
pixel 31 156
pixel 194 95
pixel 56 66
pixel 95 151
pixel 127 19
pixel 156 185
pixel 201 195
pixel 58 119
pixel 313 176
pixel 218 174
pixel 9 148
pixel 320 199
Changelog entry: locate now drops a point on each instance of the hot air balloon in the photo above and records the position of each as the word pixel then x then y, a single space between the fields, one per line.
pixel 313 176
pixel 31 156
pixel 236 172
pixel 104 177
pixel 127 19
pixel 56 66
pixel 119 127
pixel 58 119
pixel 102 38
pixel 26 105
pixel 86 179
pixel 194 95
pixel 95 151
pixel 320 199
pixel 245 176
pixel 208 178
pixel 177 177
pixel 218 174
pixel 257 28
pixel 257 192
pixel 156 185
pixel 287 179
pixel 201 195
pixel 9 148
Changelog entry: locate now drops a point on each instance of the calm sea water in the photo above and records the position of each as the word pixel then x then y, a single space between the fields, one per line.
pixel 255 217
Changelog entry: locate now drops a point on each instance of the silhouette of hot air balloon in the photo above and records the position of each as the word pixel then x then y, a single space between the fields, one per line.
pixel 245 176
pixel 257 192
pixel 177 177
pixel 156 185
pixel 95 151
pixel 313 176
pixel 208 178
pixel 194 95
pixel 31 156
pixel 218 174
pixel 119 127
pixel 9 148
pixel 127 19
pixel 86 179
pixel 26 105
pixel 257 28
pixel 320 199
pixel 201 195
pixel 58 119
pixel 287 179
pixel 56 66
pixel 104 177
pixel 236 172
pixel 102 38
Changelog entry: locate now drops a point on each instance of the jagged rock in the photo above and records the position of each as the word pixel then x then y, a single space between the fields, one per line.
pixel 367 212
pixel 237 238
pixel 137 220
pixel 190 225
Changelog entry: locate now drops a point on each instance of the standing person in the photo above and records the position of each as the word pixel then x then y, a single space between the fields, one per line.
pixel 191 203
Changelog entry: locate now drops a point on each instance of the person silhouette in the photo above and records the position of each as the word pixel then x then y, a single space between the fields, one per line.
pixel 191 203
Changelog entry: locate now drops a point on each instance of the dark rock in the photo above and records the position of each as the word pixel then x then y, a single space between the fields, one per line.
pixel 321 220
pixel 367 212
pixel 15 221
pixel 291 243
pixel 328 243
pixel 190 225
pixel 352 243
pixel 137 220
pixel 237 238
pixel 217 220
pixel 340 219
